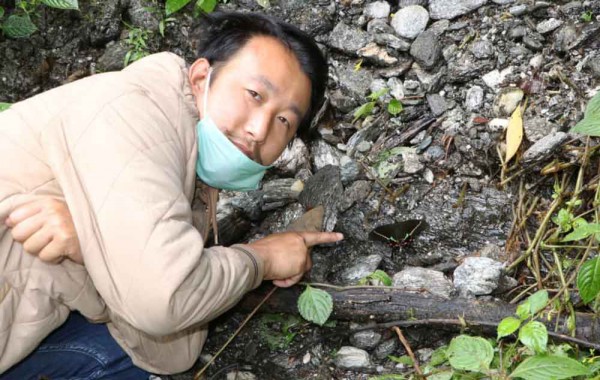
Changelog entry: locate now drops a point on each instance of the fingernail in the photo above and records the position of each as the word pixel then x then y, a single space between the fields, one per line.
pixel 340 236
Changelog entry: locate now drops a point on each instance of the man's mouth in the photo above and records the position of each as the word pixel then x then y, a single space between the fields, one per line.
pixel 244 149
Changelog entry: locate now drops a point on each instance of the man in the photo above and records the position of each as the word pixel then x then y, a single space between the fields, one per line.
pixel 123 150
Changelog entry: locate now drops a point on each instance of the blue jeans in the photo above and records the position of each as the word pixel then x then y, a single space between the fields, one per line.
pixel 77 350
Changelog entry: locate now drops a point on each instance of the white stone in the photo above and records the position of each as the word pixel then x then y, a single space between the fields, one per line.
pixel 377 9
pixel 410 21
pixel 349 357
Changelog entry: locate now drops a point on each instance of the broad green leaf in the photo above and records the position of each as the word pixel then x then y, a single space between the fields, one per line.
pixel 535 336
pixel 1 12
pixel 4 106
pixel 388 377
pixel 444 375
pixel 315 305
pixel 438 356
pixel 548 367
pixel 537 301
pixel 173 6
pixel 523 310
pixel 264 3
pixel 206 5
pixel 508 326
pixel 470 353
pixel 381 276
pixel 62 4
pixel 378 94
pixel 363 110
pixel 394 107
pixel 514 133
pixel 587 126
pixel 593 108
pixel 405 359
pixel 583 231
pixel 588 280
pixel 18 27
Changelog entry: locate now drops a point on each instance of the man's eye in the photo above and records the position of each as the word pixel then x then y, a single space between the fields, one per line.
pixel 255 95
pixel 284 121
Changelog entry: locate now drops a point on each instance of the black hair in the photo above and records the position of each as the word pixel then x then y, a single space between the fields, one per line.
pixel 223 34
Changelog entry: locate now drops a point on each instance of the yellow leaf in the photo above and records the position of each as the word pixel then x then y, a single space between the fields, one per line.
pixel 514 134
pixel 358 65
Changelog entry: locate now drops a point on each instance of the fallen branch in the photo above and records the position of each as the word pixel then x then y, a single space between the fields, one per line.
pixel 403 308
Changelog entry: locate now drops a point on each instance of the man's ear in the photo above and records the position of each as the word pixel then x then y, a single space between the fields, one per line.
pixel 197 75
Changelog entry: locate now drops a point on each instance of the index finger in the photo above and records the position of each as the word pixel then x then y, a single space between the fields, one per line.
pixel 23 212
pixel 314 238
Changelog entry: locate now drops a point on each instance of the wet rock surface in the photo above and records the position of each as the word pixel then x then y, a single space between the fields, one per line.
pixel 459 69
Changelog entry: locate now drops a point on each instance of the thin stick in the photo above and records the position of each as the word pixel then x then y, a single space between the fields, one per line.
pixel 408 349
pixel 201 372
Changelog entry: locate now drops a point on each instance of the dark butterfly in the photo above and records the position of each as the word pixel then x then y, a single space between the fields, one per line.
pixel 398 234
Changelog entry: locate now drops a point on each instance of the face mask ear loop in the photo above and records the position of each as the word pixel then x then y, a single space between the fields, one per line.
pixel 205 106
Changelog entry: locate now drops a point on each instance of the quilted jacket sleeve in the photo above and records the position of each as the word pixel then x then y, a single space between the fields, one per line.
pixel 123 171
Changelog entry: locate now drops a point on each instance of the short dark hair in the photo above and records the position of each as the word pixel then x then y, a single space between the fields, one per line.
pixel 222 34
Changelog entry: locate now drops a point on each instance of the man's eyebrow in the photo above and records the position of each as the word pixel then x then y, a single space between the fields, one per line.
pixel 271 87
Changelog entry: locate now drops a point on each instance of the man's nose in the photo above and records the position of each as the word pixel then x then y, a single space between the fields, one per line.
pixel 258 127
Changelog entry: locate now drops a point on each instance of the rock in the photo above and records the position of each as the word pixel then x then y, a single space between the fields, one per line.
pixel 293 158
pixel 474 98
pixel 348 39
pixel 518 10
pixel 477 276
pixel 534 41
pixel 415 278
pixel 349 357
pixel 367 133
pixel 396 88
pixel 278 220
pixel 428 175
pixel 366 339
pixel 341 101
pixel 503 2
pixel 379 26
pixel 517 32
pixel 113 58
pixel 349 169
pixel 324 189
pixel 141 14
pixel 411 163
pixel 449 9
pixel 439 27
pixel 356 192
pixel 364 266
pixel 494 78
pixel 536 61
pixel 437 104
pixel 391 41
pixel 430 81
pixel 410 21
pixel 376 54
pixel 544 147
pixel 363 146
pixel 240 375
pixel 386 348
pixel 594 66
pixel 465 67
pixel 323 154
pixel 406 3
pixel 497 125
pixel 565 38
pixel 547 26
pixel 507 101
pixel 426 50
pixel 377 9
pixel 434 153
pixel 353 83
pixel 482 49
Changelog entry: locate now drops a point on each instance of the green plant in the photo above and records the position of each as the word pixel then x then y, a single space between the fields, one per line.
pixel 20 25
pixel 376 278
pixel 394 106
pixel 277 330
pixel 315 305
pixel 4 106
pixel 587 16
pixel 137 41
pixel 590 124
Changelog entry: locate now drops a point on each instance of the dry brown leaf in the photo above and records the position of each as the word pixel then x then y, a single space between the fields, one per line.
pixel 514 134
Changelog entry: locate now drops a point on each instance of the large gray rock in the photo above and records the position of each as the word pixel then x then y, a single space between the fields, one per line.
pixel 411 21
pixel 349 357
pixel 293 158
pixel 544 147
pixel 366 339
pixel 348 39
pixel 477 276
pixel 364 266
pixel 324 189
pixel 547 26
pixel 474 98
pixel 354 84
pixel 323 154
pixel 449 9
pixel 416 278
pixel 426 50
pixel 377 9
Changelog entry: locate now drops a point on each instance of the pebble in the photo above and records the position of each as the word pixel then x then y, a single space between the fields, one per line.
pixel 348 357
pixel 410 21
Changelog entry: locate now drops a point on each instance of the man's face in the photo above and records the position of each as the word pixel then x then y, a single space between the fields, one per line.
pixel 258 97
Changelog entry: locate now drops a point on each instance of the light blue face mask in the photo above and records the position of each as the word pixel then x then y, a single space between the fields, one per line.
pixel 220 163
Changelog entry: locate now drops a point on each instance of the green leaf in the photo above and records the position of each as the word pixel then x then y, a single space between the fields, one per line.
pixel 438 356
pixel 315 305
pixel 381 276
pixel 582 231
pixel 388 377
pixel 264 3
pixel 18 27
pixel 4 106
pixel 535 336
pixel 394 107
pixel 523 310
pixel 363 110
pixel 593 108
pixel 378 94
pixel 173 6
pixel 443 375
pixel 563 219
pixel 405 359
pixel 206 5
pixel 470 353
pixel 508 326
pixel 588 280
pixel 1 12
pixel 587 126
pixel 537 301
pixel 62 4
pixel 549 367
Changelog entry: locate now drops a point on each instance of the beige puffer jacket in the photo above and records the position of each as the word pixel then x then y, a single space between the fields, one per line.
pixel 121 149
